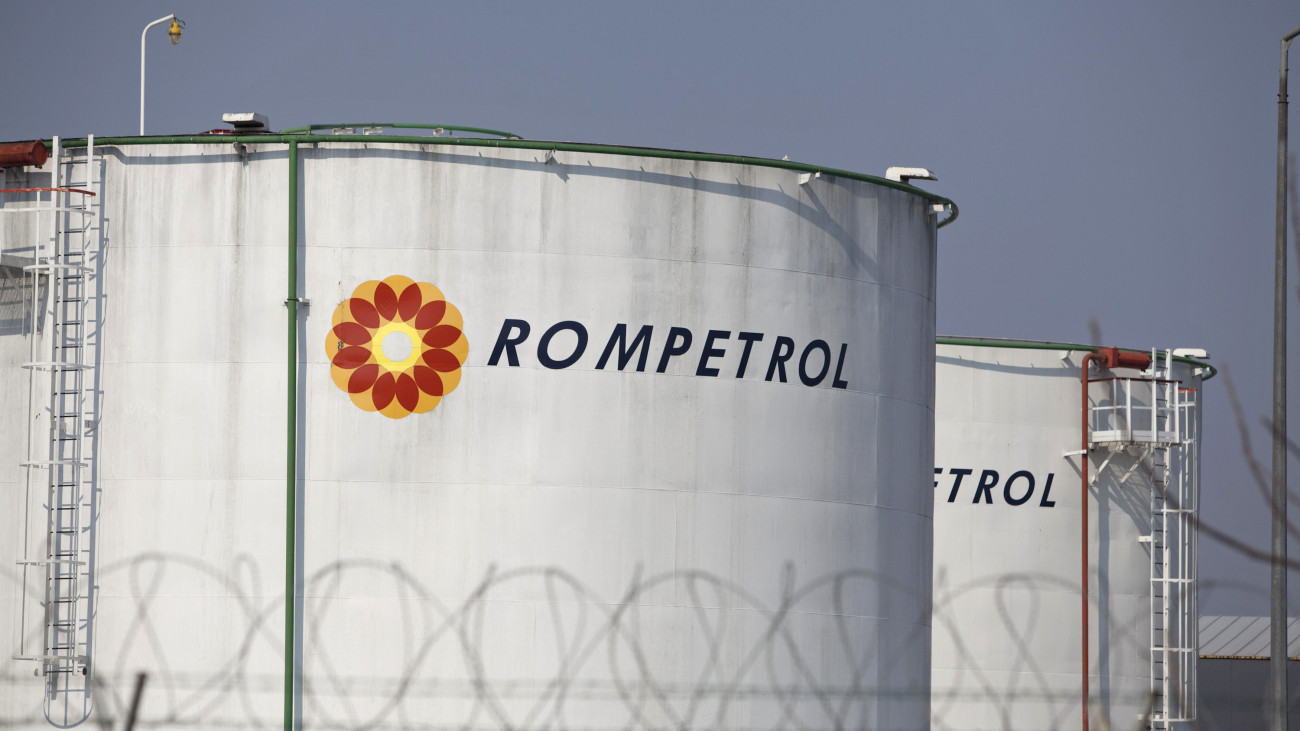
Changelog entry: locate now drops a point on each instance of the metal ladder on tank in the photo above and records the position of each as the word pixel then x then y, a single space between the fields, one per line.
pixel 60 448
pixel 1156 417
pixel 1174 610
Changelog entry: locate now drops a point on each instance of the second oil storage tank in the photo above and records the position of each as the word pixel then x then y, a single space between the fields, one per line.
pixel 1012 538
pixel 576 436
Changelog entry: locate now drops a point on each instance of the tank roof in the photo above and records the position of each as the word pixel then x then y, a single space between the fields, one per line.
pixel 1244 637
pixel 1011 343
pixel 500 139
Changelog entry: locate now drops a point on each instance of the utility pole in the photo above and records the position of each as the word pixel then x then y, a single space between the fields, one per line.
pixel 1278 591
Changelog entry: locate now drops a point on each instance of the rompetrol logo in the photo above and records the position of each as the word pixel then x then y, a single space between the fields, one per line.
pixel 396 346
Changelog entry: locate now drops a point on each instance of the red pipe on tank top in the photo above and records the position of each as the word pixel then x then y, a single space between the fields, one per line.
pixel 13 154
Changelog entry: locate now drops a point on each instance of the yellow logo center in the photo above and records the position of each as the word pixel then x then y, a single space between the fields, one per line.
pixel 396 340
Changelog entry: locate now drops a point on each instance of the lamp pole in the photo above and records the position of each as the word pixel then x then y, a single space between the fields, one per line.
pixel 1278 590
pixel 175 33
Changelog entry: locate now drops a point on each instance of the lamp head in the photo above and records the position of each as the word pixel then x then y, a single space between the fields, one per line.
pixel 174 32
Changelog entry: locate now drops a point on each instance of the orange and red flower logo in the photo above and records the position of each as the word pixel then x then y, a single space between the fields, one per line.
pixel 396 346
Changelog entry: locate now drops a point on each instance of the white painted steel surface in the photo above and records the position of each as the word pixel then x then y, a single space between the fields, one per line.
pixel 561 548
pixel 1007 630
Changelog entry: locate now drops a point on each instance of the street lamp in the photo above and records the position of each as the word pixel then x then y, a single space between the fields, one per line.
pixel 174 33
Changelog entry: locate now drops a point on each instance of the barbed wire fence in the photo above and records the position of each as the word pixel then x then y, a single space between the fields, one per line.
pixel 769 674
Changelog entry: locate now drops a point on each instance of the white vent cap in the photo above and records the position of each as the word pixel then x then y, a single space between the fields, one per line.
pixel 1196 353
pixel 903 175
pixel 246 121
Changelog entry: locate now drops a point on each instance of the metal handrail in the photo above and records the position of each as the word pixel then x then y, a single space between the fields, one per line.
pixel 542 145
pixel 403 125
pixel 1139 422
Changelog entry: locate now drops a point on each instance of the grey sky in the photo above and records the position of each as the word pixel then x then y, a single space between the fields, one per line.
pixel 1112 161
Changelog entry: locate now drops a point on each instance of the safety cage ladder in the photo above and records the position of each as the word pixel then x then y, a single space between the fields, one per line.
pixel 59 261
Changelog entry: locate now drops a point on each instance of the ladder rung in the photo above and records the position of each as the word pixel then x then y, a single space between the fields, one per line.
pixel 54 366
pixel 51 561
pixel 51 266
pixel 46 209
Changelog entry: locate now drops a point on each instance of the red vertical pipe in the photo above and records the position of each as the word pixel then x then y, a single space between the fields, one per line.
pixel 1083 470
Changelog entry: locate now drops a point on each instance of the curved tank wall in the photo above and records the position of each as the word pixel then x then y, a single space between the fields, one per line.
pixel 1007 549
pixel 716 525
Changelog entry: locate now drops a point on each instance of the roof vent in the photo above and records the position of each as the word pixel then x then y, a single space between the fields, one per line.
pixel 246 121
pixel 905 175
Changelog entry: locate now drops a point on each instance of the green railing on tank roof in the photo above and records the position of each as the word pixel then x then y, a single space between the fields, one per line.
pixel 1049 345
pixel 512 142
pixel 437 128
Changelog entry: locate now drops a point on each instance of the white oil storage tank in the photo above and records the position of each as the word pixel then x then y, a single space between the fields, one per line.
pixel 1012 600
pixel 574 436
